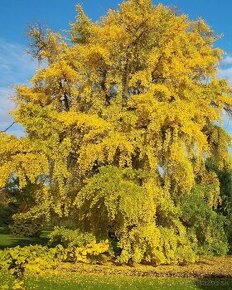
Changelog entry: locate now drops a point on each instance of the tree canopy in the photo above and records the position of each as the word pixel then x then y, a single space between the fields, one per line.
pixel 120 120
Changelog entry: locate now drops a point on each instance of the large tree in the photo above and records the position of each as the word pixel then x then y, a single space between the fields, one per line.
pixel 119 121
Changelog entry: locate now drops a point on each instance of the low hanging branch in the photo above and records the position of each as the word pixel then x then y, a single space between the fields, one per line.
pixel 3 131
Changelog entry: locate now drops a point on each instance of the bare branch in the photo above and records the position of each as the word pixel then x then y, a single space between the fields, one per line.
pixel 3 131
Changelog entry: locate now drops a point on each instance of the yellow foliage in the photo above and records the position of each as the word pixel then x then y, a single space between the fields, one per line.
pixel 88 252
pixel 136 90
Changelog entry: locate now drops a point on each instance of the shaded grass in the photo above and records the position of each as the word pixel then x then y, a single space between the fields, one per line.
pixel 7 240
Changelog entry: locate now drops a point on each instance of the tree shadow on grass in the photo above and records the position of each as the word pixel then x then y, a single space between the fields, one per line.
pixel 214 283
pixel 4 231
pixel 7 240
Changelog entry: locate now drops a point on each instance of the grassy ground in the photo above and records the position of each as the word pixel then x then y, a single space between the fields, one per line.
pixel 8 240
pixel 72 281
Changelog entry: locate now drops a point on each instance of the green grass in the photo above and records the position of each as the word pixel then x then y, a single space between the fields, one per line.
pixel 75 281
pixel 8 240
pixel 130 283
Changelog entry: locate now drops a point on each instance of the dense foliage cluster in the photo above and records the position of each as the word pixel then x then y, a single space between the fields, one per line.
pixel 39 258
pixel 122 135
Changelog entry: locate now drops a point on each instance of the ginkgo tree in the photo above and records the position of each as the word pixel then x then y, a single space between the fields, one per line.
pixel 119 122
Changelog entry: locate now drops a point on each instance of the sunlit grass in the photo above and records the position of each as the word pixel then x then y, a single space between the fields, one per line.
pixel 73 281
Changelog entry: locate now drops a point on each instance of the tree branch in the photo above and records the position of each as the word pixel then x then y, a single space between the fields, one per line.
pixel 3 131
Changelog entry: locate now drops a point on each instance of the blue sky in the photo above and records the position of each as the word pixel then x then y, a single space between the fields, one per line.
pixel 16 67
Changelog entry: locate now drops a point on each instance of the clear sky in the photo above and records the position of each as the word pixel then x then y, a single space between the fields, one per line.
pixel 16 15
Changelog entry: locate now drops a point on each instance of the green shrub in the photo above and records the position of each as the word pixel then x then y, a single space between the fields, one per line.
pixel 204 225
pixel 26 228
pixel 70 238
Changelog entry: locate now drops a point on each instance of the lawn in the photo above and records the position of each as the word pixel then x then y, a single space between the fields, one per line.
pixel 73 281
pixel 9 240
